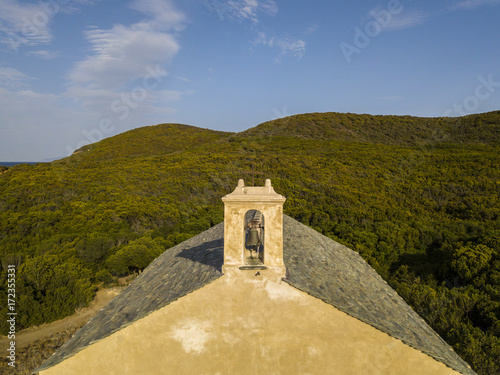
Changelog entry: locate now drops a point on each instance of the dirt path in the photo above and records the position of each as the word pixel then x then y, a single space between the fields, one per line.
pixel 32 334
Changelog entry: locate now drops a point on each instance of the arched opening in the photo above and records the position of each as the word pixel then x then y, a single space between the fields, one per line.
pixel 254 238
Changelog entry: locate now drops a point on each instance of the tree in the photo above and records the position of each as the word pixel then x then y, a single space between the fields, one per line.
pixel 469 260
pixel 134 256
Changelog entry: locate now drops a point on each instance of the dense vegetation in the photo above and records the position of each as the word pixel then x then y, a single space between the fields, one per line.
pixel 417 198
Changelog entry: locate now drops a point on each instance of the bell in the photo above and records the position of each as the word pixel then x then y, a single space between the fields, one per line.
pixel 253 237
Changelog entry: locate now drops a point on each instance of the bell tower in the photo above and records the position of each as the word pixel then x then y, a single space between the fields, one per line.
pixel 253 231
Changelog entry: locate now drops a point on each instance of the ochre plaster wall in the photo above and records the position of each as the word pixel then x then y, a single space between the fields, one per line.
pixel 249 325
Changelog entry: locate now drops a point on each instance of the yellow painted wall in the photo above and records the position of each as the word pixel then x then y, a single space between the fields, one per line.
pixel 249 325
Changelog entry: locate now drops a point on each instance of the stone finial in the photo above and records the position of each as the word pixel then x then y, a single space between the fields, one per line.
pixel 257 192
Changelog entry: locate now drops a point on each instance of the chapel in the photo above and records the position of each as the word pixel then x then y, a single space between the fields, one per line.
pixel 259 293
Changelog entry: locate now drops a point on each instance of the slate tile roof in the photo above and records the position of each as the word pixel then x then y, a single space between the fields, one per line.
pixel 340 277
pixel 315 264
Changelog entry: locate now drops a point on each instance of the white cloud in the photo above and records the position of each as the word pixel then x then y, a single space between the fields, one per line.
pixel 44 54
pixel 127 60
pixel 401 19
pixel 122 54
pixel 250 10
pixel 120 82
pixel 24 23
pixel 286 45
pixel 162 14
pixel 28 24
pixel 13 79
pixel 472 4
pixel 93 100
pixel 407 19
pixel 311 29
pixel 183 79
pixel 242 9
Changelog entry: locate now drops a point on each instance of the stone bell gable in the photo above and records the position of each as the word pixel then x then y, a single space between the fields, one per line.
pixel 245 210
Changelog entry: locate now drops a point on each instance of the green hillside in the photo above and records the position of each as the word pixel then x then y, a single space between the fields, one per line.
pixel 417 198
pixel 391 130
pixel 151 140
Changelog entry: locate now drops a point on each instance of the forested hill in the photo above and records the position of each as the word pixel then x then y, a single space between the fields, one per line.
pixel 391 130
pixel 418 198
pixel 151 140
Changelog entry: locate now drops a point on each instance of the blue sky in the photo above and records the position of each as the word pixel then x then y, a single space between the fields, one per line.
pixel 76 71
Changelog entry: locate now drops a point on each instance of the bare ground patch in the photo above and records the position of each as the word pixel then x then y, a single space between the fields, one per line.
pixel 36 344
